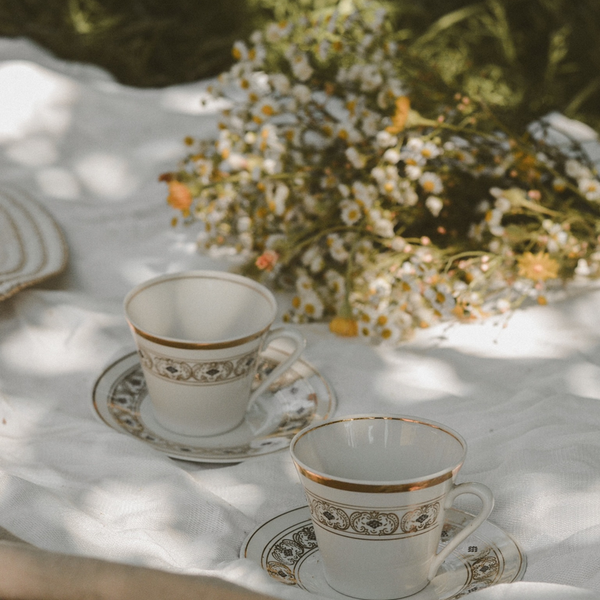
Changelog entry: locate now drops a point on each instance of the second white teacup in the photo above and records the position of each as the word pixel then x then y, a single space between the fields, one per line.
pixel 378 487
pixel 199 334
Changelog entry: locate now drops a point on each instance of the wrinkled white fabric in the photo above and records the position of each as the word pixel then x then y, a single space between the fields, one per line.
pixel 525 394
pixel 527 590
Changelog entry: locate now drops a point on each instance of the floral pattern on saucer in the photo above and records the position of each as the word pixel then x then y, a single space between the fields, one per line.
pixel 286 548
pixel 296 399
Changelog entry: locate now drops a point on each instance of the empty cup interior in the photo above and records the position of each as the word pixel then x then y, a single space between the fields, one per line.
pixel 378 449
pixel 201 307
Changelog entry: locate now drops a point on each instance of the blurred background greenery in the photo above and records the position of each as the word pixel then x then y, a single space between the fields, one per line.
pixel 524 57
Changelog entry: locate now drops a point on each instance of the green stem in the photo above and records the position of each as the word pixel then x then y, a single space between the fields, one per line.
pixel 468 253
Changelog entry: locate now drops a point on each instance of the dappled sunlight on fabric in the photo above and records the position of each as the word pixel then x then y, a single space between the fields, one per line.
pixel 415 378
pixel 247 497
pixel 33 100
pixel 108 176
pixel 549 498
pixel 131 504
pixel 584 380
pixel 159 150
pixel 180 252
pixel 562 560
pixel 59 339
pixel 19 419
pixel 536 332
pixel 34 151
pixel 58 182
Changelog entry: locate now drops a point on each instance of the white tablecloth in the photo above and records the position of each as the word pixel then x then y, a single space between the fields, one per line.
pixel 526 396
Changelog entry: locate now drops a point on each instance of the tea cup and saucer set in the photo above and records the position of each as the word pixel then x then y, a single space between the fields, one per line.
pixel 213 381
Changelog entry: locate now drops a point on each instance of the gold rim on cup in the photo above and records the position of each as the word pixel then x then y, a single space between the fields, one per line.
pixel 184 345
pixel 350 485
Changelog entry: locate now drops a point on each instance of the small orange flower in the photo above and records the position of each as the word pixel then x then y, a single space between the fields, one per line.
pixel 400 116
pixel 538 267
pixel 344 326
pixel 180 196
pixel 267 260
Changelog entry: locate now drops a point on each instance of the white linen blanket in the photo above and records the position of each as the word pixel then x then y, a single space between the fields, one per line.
pixel 525 394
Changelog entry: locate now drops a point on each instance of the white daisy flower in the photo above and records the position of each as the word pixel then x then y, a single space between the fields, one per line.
pixel 280 83
pixel 383 227
pixel 243 224
pixel 336 283
pixel 392 156
pixel 370 123
pixel 408 194
pixel 240 51
pixel 365 194
pixel 310 305
pixel 351 212
pixel 371 78
pixel 430 150
pixel 385 139
pixel 583 268
pixel 313 260
pixel 413 172
pixel 356 159
pixel 279 198
pixel 431 183
pixel 390 333
pixel 302 93
pixel 344 190
pixel 574 169
pixel 301 67
pixel 503 204
pixel 380 288
pixel 590 188
pixel 337 248
pixel 434 204
pixel 277 31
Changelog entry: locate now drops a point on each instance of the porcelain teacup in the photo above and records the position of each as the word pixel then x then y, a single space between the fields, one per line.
pixel 199 335
pixel 378 487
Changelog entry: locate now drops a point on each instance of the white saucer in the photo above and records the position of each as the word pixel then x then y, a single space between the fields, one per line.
pixel 32 245
pixel 296 399
pixel 286 548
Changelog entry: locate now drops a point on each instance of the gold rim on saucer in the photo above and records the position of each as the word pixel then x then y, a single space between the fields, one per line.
pixel 286 548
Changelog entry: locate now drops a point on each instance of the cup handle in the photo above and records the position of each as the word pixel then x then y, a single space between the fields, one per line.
pixel 300 343
pixel 487 501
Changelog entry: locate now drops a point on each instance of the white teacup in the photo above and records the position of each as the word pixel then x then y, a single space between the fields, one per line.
pixel 199 334
pixel 377 487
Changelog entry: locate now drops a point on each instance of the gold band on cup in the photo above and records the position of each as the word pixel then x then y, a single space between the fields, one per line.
pixel 171 343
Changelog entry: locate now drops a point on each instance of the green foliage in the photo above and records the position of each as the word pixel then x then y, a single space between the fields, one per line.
pixel 523 58
pixel 142 42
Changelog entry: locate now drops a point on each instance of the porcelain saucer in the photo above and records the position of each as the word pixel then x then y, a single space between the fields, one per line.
pixel 286 548
pixel 296 399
